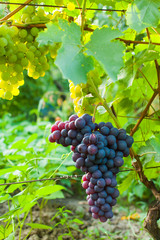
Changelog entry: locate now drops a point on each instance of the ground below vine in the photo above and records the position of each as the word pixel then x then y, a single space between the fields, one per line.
pixel 90 229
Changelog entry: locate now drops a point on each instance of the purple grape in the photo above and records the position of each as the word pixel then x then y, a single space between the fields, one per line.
pixel 90 202
pixel 101 201
pixel 79 137
pixel 98 161
pixel 104 130
pixel 113 203
pixel 103 168
pixel 91 157
pixel 92 149
pixel 100 145
pixel 119 154
pixel 79 162
pixel 72 133
pixel 80 123
pixel 86 129
pixel 86 140
pixel 75 142
pixel 64 133
pixel 109 190
pixel 102 194
pixel 101 182
pixel 90 190
pixel 73 118
pixel 87 118
pixel 118 161
pixel 101 153
pixel 111 139
pixel 56 135
pixel 102 219
pixel 98 189
pixel 110 163
pixel 108 214
pixel 122 145
pixel 108 174
pixel 101 213
pixel 93 180
pixel 126 152
pixel 88 176
pixel 85 184
pixel 62 141
pixel 108 181
pixel 101 124
pixel 72 125
pixel 93 168
pixel 114 131
pixel 91 185
pixel 112 154
pixel 94 196
pixel 88 163
pixel 92 139
pixel 108 199
pixel 107 151
pixel 94 209
pixel 104 160
pixel 95 216
pixel 109 125
pixel 129 141
pixel 97 174
pixel 122 136
pixel 68 141
pixel 106 207
pixel 116 193
pixel 82 148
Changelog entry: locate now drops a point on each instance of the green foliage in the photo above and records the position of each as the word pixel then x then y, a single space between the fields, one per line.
pixel 27 155
pixel 116 57
pixel 108 53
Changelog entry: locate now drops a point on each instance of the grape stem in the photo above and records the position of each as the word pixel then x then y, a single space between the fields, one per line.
pixel 15 11
pixel 105 105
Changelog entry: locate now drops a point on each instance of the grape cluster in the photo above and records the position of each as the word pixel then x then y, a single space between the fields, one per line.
pixel 98 150
pixel 84 95
pixel 11 58
pixel 19 50
pixel 36 56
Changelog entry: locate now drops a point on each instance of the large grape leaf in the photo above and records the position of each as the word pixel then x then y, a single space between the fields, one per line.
pixel 52 34
pixel 108 54
pixel 149 11
pixel 128 73
pixel 133 18
pixel 71 60
pixel 143 13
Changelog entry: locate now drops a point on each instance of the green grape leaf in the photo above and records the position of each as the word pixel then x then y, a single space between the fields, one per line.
pixel 128 73
pixel 143 13
pixel 149 11
pixel 71 60
pixel 151 150
pixel 151 169
pixel 108 54
pixel 133 18
pixel 52 34
pixel 127 182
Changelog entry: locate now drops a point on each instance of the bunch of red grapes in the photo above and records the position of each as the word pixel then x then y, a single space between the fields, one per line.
pixel 98 150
